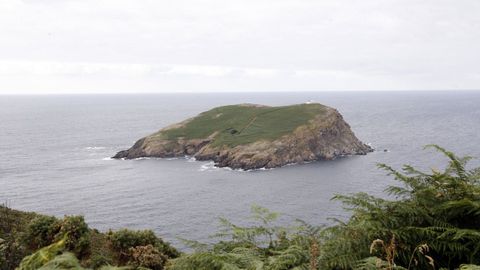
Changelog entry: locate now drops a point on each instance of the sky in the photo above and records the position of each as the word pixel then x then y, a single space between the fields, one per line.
pixel 150 46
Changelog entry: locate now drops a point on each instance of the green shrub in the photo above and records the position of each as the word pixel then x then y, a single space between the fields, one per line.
pixel 41 232
pixel 3 247
pixel 42 256
pixel 44 230
pixel 65 261
pixel 259 246
pixel 204 261
pixel 167 249
pixel 147 256
pixel 11 252
pixel 78 236
pixel 98 260
pixel 12 249
pixel 123 240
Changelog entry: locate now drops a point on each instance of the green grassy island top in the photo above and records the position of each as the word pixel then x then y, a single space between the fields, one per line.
pixel 245 123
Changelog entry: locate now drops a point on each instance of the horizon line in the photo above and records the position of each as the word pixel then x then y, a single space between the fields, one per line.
pixel 230 92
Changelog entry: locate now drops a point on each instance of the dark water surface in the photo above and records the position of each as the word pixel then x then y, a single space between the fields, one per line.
pixel 55 149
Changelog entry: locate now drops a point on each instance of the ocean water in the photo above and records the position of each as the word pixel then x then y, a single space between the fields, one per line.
pixel 55 158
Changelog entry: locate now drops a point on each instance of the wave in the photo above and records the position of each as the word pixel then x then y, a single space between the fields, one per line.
pixel 144 158
pixel 189 159
pixel 95 148
pixel 209 166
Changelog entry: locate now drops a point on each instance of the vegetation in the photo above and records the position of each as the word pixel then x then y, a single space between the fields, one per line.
pixel 44 230
pixel 438 209
pixel 46 242
pixel 134 245
pixel 433 222
pixel 241 124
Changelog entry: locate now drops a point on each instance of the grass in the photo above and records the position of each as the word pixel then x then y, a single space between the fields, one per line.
pixel 240 124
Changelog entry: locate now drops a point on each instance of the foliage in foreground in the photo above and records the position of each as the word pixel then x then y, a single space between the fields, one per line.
pixel 262 246
pixel 440 209
pixel 433 223
pixel 68 243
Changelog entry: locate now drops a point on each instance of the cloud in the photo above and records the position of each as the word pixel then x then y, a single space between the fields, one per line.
pixel 261 72
pixel 26 68
pixel 272 44
pixel 210 71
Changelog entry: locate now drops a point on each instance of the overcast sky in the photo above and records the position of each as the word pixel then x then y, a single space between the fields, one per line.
pixel 94 46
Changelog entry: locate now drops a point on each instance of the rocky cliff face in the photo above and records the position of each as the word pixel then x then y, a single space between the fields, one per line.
pixel 323 137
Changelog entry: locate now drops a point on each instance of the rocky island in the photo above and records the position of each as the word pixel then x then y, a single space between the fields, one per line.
pixel 249 136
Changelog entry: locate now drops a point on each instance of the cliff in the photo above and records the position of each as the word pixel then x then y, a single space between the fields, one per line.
pixel 250 136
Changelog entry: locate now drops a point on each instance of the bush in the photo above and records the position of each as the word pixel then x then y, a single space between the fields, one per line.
pixel 147 256
pixel 3 248
pixel 65 261
pixel 41 232
pixel 12 250
pixel 125 239
pixel 42 256
pixel 44 230
pixel 78 237
pixel 98 260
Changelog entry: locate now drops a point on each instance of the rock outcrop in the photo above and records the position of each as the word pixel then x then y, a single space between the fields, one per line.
pixel 318 133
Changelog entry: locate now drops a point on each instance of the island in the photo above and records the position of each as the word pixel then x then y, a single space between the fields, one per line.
pixel 250 136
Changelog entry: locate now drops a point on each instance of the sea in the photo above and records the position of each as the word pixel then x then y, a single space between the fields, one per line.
pixel 55 158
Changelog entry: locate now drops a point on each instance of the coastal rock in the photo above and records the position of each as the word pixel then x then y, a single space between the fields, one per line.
pixel 252 136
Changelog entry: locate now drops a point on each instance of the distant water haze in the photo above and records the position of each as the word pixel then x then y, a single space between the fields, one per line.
pixel 56 149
